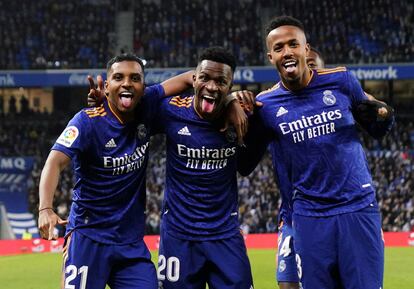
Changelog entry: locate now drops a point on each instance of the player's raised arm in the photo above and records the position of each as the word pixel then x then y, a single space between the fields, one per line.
pixel 178 84
pixel 49 180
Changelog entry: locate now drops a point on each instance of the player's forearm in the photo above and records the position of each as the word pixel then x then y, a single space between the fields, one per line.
pixel 49 180
pixel 178 84
pixel 379 129
pixel 376 117
pixel 255 147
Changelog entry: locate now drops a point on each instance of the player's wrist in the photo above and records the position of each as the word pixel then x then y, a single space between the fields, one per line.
pixel 229 99
pixel 45 209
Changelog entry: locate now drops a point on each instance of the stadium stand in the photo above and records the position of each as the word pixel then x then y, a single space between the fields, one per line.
pixel 60 34
pixel 167 34
pixel 380 31
pixel 55 34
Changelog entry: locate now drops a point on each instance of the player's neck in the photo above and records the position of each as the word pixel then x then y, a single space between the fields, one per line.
pixel 300 83
pixel 123 117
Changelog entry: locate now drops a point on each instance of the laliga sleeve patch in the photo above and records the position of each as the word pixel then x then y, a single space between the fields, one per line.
pixel 68 136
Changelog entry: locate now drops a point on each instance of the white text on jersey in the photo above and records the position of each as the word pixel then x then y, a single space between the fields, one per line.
pixel 311 126
pixel 126 163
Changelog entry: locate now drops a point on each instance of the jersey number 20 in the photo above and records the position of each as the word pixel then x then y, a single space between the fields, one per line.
pixel 169 268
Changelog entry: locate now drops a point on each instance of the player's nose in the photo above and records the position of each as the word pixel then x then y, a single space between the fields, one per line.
pixel 127 82
pixel 211 86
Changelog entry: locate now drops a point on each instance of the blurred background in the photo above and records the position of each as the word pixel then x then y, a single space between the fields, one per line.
pixel 48 47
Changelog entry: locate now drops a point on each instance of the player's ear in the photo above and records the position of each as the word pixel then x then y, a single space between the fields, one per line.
pixel 269 56
pixel 307 48
pixel 106 87
pixel 194 79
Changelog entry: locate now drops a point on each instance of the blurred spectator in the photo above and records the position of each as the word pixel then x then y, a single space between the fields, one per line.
pixel 1 105
pixel 12 105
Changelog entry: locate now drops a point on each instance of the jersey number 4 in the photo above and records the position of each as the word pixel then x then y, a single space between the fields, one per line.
pixel 285 249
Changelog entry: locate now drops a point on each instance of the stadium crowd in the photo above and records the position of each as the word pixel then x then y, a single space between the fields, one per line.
pixel 62 34
pixel 375 31
pixel 168 33
pixel 55 34
pixel 391 161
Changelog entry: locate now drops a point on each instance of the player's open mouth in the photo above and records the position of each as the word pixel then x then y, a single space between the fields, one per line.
pixel 208 103
pixel 126 98
pixel 290 66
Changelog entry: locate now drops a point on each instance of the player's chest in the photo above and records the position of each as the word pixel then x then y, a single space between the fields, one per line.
pixel 308 115
pixel 116 147
pixel 200 145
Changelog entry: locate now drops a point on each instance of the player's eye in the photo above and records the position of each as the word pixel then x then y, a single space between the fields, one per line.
pixel 118 77
pixel 277 48
pixel 136 78
pixel 203 77
pixel 222 82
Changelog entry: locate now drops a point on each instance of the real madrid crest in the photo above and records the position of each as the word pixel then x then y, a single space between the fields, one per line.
pixel 328 97
pixel 141 131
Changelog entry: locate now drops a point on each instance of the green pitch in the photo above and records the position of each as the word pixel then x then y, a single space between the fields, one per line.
pixel 42 271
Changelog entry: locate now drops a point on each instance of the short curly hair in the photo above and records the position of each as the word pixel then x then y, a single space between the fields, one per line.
pixel 124 57
pixel 282 21
pixel 218 54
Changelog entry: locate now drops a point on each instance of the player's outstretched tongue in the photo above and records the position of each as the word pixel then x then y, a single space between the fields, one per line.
pixel 207 104
pixel 126 102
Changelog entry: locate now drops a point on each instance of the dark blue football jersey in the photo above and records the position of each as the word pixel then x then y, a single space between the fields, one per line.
pixel 319 162
pixel 109 159
pixel 200 201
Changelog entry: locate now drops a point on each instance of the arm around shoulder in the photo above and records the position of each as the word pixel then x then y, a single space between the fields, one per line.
pixel 178 84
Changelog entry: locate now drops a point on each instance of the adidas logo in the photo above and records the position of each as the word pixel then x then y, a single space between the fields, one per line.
pixel 281 111
pixel 111 143
pixel 184 131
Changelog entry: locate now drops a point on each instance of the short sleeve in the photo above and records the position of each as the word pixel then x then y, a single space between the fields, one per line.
pixel 75 137
pixel 152 96
pixel 354 89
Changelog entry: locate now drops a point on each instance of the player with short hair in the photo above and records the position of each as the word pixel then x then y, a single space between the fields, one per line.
pixel 320 164
pixel 286 267
pixel 201 241
pixel 108 148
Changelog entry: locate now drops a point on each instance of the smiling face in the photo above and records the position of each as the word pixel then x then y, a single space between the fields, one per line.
pixel 212 82
pixel 124 87
pixel 287 50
